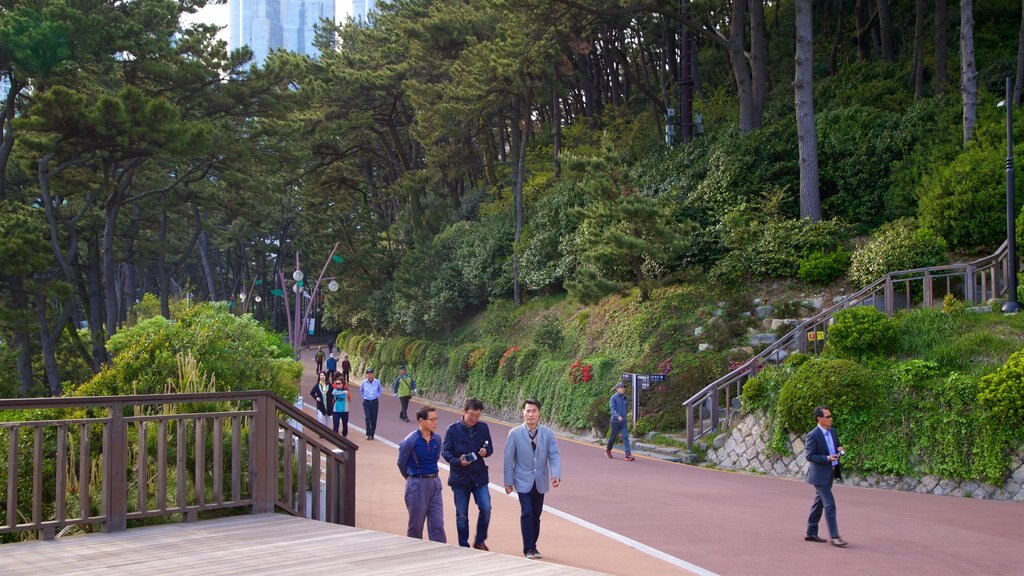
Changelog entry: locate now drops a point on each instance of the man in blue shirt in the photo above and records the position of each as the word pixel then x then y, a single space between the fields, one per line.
pixel 466 444
pixel 619 424
pixel 417 461
pixel 370 390
pixel 332 368
pixel 823 451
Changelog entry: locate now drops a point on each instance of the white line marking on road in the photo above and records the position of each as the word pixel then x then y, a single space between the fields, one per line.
pixel 653 552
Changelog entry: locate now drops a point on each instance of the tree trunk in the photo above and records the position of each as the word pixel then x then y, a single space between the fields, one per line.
pixel 885 29
pixel 920 7
pixel 204 256
pixel 21 341
pixel 556 124
pixel 109 276
pixel 740 65
pixel 94 277
pixel 758 58
pixel 862 10
pixel 1017 86
pixel 162 271
pixel 7 131
pixel 48 343
pixel 520 128
pixel 941 49
pixel 968 69
pixel 837 41
pixel 807 136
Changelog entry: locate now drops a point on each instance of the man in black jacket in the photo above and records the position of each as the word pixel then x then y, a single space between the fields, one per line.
pixel 466 444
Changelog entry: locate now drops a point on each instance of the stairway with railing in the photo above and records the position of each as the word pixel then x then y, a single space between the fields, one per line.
pixel 974 282
pixel 102 461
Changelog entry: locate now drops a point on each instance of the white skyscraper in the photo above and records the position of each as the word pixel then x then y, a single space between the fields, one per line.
pixel 266 25
pixel 361 9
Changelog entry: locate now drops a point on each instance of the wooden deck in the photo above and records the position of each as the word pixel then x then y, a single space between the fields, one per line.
pixel 259 544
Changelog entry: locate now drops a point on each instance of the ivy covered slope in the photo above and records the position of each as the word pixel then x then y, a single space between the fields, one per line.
pixel 937 392
pixel 569 355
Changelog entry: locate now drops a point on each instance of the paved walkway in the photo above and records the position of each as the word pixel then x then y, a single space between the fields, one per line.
pixel 380 505
pixel 709 520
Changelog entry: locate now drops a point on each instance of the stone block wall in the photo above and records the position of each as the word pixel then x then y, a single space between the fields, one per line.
pixel 744 448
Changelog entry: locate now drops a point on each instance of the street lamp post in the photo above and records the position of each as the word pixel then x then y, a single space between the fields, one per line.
pixel 1012 304
pixel 295 327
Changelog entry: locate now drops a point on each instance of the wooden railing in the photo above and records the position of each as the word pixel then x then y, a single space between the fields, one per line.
pixel 974 282
pixel 102 461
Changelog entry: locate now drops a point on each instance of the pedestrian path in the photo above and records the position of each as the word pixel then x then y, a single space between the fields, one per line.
pixel 713 521
pixel 380 506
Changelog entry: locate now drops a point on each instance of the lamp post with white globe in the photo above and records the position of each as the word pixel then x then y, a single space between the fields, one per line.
pixel 295 332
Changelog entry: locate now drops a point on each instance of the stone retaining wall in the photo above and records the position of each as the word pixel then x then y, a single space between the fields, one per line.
pixel 743 448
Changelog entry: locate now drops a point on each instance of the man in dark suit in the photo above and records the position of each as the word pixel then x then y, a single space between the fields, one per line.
pixel 823 450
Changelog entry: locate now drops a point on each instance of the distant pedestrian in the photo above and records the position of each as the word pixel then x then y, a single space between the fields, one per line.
pixel 346 369
pixel 823 451
pixel 330 345
pixel 466 444
pixel 341 396
pixel 319 357
pixel 532 461
pixel 619 424
pixel 417 461
pixel 319 393
pixel 371 391
pixel 332 367
pixel 405 387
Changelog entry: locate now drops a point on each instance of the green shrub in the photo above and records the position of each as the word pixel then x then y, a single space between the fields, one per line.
pixel 1002 391
pixel 796 359
pixel 765 245
pixel 965 201
pixel 549 335
pixel 525 361
pixel 843 385
pixel 760 393
pixel 823 268
pixel 950 305
pixel 898 245
pixel 146 355
pixel 861 332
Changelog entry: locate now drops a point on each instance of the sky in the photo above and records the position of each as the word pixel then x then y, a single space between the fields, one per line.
pixel 220 14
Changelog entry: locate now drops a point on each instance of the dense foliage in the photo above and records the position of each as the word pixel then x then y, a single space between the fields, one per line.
pixel 230 353
pixel 940 414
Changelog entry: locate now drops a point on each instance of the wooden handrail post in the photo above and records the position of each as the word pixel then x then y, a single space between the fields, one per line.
pixel 115 470
pixel 346 488
pixel 969 284
pixel 265 474
pixel 928 290
pixel 713 397
pixel 689 426
pixel 889 295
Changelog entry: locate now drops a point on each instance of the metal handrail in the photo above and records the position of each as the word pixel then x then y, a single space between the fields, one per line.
pixel 283 445
pixel 703 407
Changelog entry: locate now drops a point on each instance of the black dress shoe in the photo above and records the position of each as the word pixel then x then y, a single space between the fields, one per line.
pixel 810 538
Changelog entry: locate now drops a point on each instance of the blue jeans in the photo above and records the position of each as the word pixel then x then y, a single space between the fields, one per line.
pixel 617 428
pixel 482 495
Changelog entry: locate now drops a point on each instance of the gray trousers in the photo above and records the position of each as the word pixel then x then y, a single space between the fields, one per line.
pixel 423 499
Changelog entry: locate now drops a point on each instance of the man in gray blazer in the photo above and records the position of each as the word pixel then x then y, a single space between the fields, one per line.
pixel 823 450
pixel 531 463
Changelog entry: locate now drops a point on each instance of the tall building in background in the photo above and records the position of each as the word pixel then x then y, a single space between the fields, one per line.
pixel 266 25
pixel 361 9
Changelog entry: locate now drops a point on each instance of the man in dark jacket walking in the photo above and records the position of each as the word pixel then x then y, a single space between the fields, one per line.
pixel 466 444
pixel 619 424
